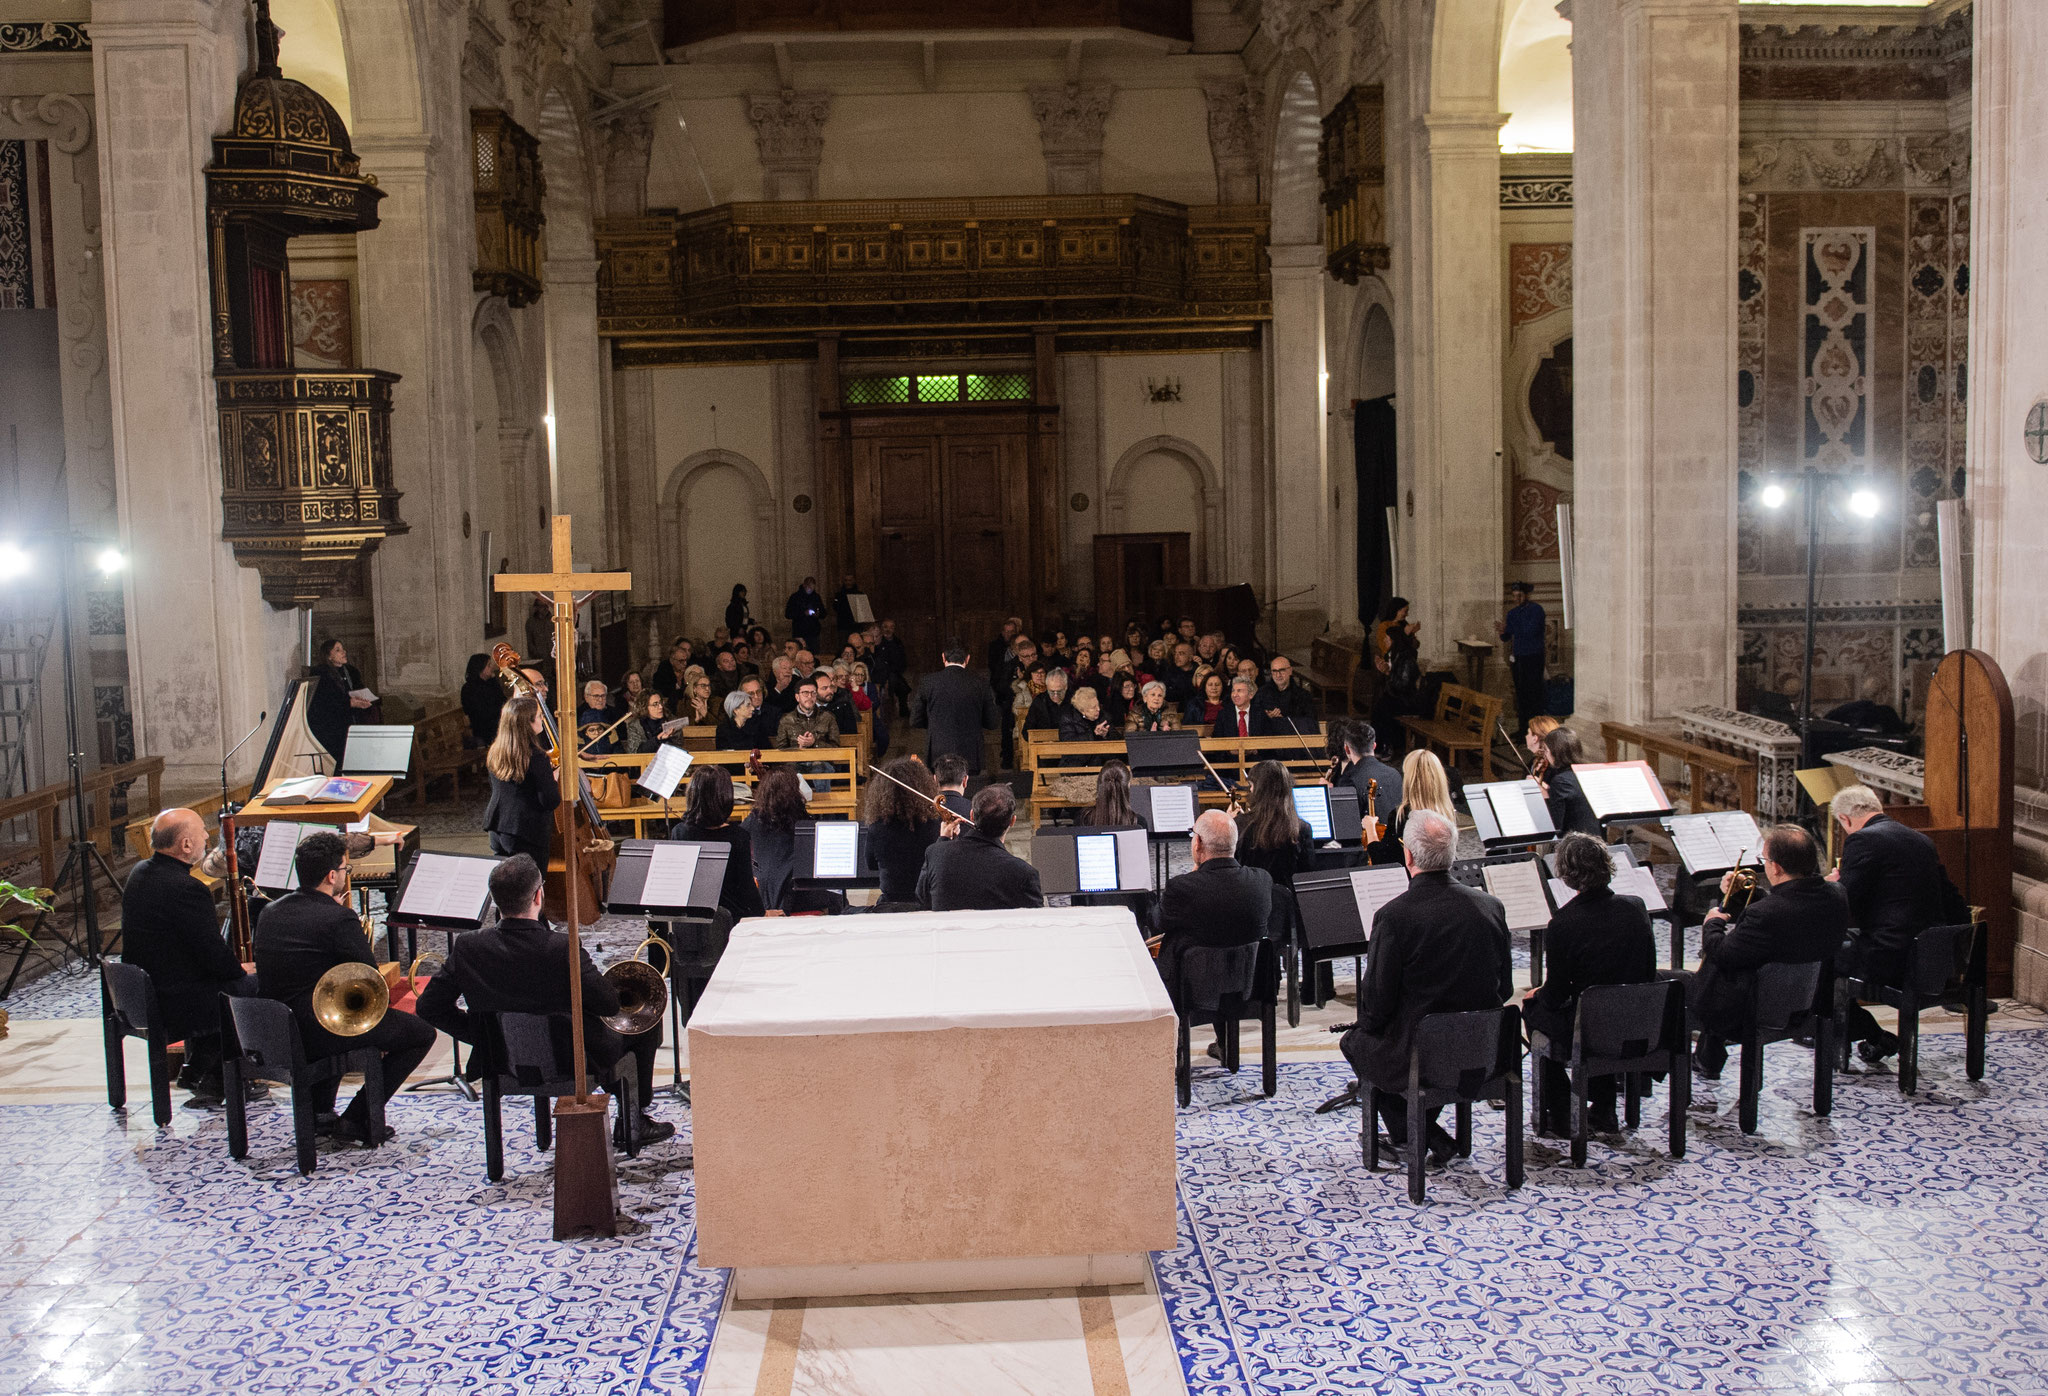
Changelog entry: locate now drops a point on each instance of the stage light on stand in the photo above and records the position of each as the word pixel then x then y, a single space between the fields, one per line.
pixel 1773 496
pixel 1863 503
pixel 14 561
pixel 110 561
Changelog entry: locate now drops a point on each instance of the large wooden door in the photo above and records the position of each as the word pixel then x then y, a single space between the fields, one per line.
pixel 903 581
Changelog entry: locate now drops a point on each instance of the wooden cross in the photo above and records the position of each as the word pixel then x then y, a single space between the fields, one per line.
pixel 581 1197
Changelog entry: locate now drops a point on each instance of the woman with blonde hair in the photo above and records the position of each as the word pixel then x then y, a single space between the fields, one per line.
pixel 1425 785
pixel 525 790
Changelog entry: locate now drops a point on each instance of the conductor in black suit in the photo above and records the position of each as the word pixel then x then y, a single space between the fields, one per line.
pixel 1598 937
pixel 1439 947
pixel 516 966
pixel 1803 919
pixel 302 936
pixel 1897 888
pixel 956 708
pixel 974 872
pixel 1220 903
pixel 169 928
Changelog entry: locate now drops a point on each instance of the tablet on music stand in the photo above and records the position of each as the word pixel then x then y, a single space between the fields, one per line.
pixel 1087 860
pixel 667 879
pixel 834 853
pixel 377 750
pixel 1331 812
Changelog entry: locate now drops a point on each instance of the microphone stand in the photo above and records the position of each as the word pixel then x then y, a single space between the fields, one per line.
pixel 240 931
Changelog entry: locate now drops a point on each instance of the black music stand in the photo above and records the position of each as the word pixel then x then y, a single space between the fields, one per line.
pixel 1164 754
pixel 1331 813
pixel 627 896
pixel 440 906
pixel 865 872
pixel 1509 814
pixel 1165 822
pixel 1056 853
pixel 1333 928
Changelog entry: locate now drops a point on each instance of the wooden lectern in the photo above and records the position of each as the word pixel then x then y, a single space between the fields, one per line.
pixel 1968 793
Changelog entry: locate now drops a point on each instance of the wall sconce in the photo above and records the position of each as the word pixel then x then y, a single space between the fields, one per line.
pixel 1162 390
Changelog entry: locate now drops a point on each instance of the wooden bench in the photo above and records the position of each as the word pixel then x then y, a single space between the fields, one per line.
pixel 1043 755
pixel 1464 721
pixel 49 809
pixel 835 793
pixel 438 751
pixel 1332 670
pixel 1713 779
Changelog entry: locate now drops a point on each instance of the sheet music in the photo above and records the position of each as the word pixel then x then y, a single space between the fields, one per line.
pixel 1312 803
pixel 1628 882
pixel 1373 888
pixel 665 772
pixel 1719 840
pixel 1617 790
pixel 1173 809
pixel 1519 886
pixel 1738 833
pixel 1095 862
pixel 1511 810
pixel 274 864
pixel 863 609
pixel 836 849
pixel 447 886
pixel 671 873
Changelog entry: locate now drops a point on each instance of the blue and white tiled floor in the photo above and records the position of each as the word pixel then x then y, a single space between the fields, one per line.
pixel 1897 1247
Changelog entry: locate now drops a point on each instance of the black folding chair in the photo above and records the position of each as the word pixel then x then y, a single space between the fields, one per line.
pixel 1626 1030
pixel 261 1038
pixel 1938 967
pixel 1781 1008
pixel 530 1066
pixel 128 1008
pixel 1457 1059
pixel 1224 984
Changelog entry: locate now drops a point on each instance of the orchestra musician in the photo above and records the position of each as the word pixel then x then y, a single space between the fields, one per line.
pixel 1570 811
pixel 515 966
pixel 1221 903
pixel 299 938
pixel 1359 766
pixel 1425 785
pixel 525 791
pixel 1897 888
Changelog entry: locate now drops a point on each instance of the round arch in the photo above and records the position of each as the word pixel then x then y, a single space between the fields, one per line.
pixel 768 559
pixel 1464 57
pixel 1296 121
pixel 1209 497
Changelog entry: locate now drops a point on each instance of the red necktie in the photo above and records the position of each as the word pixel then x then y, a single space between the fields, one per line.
pixel 1243 724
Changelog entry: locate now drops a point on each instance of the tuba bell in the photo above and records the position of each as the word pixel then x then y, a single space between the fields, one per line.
pixel 642 990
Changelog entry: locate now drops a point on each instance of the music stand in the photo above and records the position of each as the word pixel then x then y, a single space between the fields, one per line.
pixel 642 861
pixel 1084 861
pixel 842 860
pixel 1336 922
pixel 377 750
pixel 445 892
pixel 1622 792
pixel 1509 814
pixel 1169 754
pixel 1331 813
pixel 1168 813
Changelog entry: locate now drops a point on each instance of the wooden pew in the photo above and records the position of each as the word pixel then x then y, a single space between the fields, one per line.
pixel 438 750
pixel 835 793
pixel 1332 670
pixel 1713 779
pixel 1464 721
pixel 49 810
pixel 1233 758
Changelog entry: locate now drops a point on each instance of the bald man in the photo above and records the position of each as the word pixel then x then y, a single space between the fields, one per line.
pixel 1220 903
pixel 169 928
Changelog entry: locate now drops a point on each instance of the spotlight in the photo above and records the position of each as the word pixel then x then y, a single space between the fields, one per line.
pixel 1773 496
pixel 110 561
pixel 14 561
pixel 1863 504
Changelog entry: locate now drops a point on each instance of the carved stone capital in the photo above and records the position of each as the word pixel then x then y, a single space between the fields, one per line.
pixel 789 127
pixel 69 118
pixel 628 144
pixel 1070 118
pixel 1234 138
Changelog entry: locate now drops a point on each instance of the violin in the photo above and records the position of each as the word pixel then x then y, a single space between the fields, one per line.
pixel 575 819
pixel 1371 812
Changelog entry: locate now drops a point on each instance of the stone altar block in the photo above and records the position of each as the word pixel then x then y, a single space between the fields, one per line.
pixel 935 1101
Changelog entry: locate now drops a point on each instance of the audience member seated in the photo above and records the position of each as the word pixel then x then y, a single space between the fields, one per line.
pixel 594 731
pixel 1270 835
pixel 1048 710
pixel 778 807
pixel 835 703
pixel 901 825
pixel 1241 718
pixel 1598 937
pixel 696 707
pixel 1083 721
pixel 1896 888
pixel 516 966
pixel 725 674
pixel 170 930
pixel 1122 701
pixel 1206 708
pixel 1180 675
pixel 1424 785
pixel 975 872
pixel 1284 701
pixel 299 938
pixel 668 677
pixel 1439 947
pixel 1221 903
pixel 707 818
pixel 733 733
pixel 1570 811
pixel 1359 766
pixel 1803 919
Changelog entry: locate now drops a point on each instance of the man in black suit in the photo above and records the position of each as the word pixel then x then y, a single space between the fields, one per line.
pixel 517 966
pixel 1803 919
pixel 1439 947
pixel 1007 659
pixel 957 708
pixel 1897 888
pixel 894 660
pixel 1242 717
pixel 1597 937
pixel 302 936
pixel 974 872
pixel 804 611
pixel 169 928
pixel 1220 903
pixel 1284 701
pixel 1362 766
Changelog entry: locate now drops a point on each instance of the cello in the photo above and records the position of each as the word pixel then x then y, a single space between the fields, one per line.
pixel 575 819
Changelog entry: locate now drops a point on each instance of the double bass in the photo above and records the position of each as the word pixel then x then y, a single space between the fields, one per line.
pixel 576 819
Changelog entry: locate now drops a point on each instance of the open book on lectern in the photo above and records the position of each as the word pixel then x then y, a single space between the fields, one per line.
pixel 1622 789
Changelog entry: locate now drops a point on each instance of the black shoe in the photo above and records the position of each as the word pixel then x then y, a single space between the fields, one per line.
pixel 208 1093
pixel 1604 1122
pixel 1705 1072
pixel 325 1121
pixel 1216 1050
pixel 1442 1147
pixel 253 1091
pixel 1875 1049
pixel 1553 1129
pixel 650 1130
pixel 352 1131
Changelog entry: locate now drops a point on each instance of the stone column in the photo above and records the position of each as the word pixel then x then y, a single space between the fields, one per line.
pixel 789 129
pixel 796 472
pixel 647 551
pixel 1070 127
pixel 1233 139
pixel 207 653
pixel 576 371
pixel 1081 472
pixel 1654 200
pixel 1300 480
pixel 1244 522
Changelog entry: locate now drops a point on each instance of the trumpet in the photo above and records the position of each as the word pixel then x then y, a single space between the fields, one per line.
pixel 1742 889
pixel 642 990
pixel 353 998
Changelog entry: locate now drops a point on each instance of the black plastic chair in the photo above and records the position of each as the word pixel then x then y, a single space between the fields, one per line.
pixel 1284 930
pixel 1625 1030
pixel 1224 984
pixel 1939 958
pixel 128 1008
pixel 1457 1059
pixel 1781 1008
pixel 525 1044
pixel 262 1040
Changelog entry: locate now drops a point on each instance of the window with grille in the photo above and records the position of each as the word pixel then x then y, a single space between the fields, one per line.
pixel 998 387
pixel 936 389
pixel 876 392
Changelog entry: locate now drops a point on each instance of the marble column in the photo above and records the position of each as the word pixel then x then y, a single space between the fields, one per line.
pixel 207 653
pixel 1300 481
pixel 1654 202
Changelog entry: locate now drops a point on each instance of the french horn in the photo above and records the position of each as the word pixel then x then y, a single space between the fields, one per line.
pixel 352 998
pixel 642 990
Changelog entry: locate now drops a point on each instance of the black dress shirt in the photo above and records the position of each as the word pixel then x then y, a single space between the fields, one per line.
pixel 299 938
pixel 1800 921
pixel 1896 886
pixel 516 966
pixel 972 873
